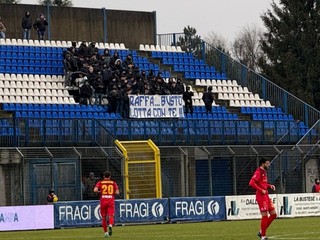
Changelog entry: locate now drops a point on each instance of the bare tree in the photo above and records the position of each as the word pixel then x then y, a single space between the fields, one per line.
pixel 246 48
pixel 10 1
pixel 60 3
pixel 217 41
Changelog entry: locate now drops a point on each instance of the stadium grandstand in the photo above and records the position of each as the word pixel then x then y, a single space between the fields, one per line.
pixel 51 137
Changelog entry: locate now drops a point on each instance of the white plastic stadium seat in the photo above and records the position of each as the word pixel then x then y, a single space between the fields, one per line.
pixel 146 47
pixel 101 45
pixel 19 42
pixel 122 46
pixel 64 44
pixel 58 43
pixel 141 47
pixel 169 48
pixel 173 48
pixel 53 43
pixel 179 49
pixel 152 48
pixel 14 41
pixel 47 43
pixel 31 42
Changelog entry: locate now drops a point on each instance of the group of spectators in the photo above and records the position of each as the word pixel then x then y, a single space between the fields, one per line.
pixel 97 77
pixel 27 23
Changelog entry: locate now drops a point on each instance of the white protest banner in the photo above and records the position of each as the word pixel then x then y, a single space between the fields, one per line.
pixel 156 106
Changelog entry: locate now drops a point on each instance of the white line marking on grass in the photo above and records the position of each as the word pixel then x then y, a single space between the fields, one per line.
pixel 62 237
pixel 294 236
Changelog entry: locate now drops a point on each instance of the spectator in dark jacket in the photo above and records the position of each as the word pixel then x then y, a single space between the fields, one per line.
pixel 106 57
pixel 208 99
pixel 99 90
pixel 93 49
pixel 187 98
pixel 114 59
pixel 84 50
pixel 40 25
pixel 128 63
pixel 113 98
pixel 86 93
pixel 26 24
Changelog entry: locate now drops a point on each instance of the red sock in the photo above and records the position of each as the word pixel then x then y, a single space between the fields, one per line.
pixel 271 218
pixel 264 225
pixel 111 220
pixel 104 224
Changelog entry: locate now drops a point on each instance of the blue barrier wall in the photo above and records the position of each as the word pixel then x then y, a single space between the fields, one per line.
pixel 87 213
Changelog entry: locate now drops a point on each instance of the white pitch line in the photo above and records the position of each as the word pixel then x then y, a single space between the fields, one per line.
pixel 292 236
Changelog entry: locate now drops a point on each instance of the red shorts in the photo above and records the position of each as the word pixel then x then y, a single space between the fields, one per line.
pixel 107 209
pixel 265 203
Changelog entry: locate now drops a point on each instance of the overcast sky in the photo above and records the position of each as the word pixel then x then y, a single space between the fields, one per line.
pixel 223 17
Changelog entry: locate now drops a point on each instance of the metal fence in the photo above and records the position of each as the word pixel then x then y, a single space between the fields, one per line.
pixel 246 77
pixel 26 174
pixel 28 132
pixel 259 84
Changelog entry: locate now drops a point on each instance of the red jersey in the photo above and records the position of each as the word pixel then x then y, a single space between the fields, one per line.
pixel 316 188
pixel 259 181
pixel 107 190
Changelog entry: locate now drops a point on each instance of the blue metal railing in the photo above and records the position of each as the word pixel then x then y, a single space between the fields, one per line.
pixel 255 82
pixel 102 132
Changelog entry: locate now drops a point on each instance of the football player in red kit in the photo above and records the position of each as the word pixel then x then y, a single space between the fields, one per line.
pixel 259 182
pixel 107 190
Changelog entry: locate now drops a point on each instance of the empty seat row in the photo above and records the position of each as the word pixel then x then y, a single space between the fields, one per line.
pixel 31 56
pixel 32 70
pixel 30 63
pixel 272 117
pixel 52 43
pixel 162 48
pixel 249 103
pixel 36 99
pixel 34 92
pixel 217 83
pixel 201 69
pixel 188 62
pixel 31 77
pixel 173 55
pixel 195 75
pixel 263 110
pixel 238 96
pixel 224 89
pixel 31 84
pixel 149 66
pixel 72 115
pixel 215 109
pixel 23 51
pixel 218 116
pixel 53 107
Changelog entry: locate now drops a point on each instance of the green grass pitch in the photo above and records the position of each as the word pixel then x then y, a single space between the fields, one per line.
pixel 297 228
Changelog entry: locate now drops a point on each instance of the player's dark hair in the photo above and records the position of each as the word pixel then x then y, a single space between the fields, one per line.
pixel 107 174
pixel 263 160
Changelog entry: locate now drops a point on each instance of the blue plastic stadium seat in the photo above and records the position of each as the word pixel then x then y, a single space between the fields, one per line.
pixel 15 55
